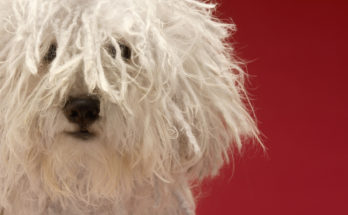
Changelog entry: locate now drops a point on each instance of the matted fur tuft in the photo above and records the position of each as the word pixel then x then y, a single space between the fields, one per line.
pixel 168 115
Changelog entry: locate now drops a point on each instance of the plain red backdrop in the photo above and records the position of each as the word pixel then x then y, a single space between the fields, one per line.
pixel 297 53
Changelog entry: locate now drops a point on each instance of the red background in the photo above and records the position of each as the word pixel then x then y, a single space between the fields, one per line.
pixel 297 56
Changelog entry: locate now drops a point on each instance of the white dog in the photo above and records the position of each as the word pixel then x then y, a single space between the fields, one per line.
pixel 115 106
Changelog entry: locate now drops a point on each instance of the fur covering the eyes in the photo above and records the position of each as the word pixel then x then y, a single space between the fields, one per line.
pixel 172 110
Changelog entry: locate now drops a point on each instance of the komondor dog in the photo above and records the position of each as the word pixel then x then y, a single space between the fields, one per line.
pixel 115 107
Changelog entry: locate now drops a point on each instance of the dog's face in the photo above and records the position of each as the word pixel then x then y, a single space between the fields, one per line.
pixel 98 96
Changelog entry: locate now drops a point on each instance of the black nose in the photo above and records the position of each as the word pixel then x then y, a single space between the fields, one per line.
pixel 82 110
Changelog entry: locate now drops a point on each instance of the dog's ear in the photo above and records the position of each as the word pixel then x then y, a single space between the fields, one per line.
pixel 209 104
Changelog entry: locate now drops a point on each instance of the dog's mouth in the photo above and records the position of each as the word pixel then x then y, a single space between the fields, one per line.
pixel 82 134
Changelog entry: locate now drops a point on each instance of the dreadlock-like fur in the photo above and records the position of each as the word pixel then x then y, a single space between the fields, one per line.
pixel 168 115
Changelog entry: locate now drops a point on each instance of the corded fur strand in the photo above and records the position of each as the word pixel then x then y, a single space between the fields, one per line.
pixel 169 115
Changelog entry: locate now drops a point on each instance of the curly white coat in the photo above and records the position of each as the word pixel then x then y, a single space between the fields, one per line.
pixel 170 116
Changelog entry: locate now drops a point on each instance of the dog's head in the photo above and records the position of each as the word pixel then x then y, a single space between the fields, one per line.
pixel 100 95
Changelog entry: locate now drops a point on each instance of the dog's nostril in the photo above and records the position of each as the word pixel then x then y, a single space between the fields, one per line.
pixel 91 114
pixel 74 114
pixel 82 110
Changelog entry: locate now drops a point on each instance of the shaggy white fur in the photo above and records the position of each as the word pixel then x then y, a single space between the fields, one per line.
pixel 169 113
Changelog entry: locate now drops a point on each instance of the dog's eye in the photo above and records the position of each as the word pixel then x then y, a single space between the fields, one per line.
pixel 125 52
pixel 51 53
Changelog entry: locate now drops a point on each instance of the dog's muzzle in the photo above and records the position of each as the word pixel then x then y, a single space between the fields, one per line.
pixel 82 111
